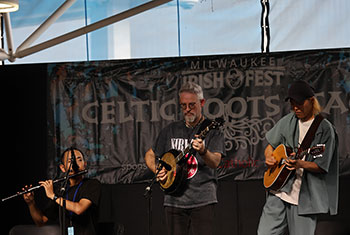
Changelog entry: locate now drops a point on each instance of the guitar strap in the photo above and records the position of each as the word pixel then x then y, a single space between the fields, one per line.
pixel 310 133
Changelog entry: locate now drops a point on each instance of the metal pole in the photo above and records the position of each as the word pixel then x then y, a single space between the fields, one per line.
pixel 44 26
pixel 3 54
pixel 90 28
pixel 265 28
pixel 8 29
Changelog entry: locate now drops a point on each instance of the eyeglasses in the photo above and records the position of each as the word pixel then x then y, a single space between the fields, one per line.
pixel 189 105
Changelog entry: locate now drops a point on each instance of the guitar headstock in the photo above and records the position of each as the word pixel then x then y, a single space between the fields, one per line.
pixel 212 125
pixel 218 122
pixel 317 150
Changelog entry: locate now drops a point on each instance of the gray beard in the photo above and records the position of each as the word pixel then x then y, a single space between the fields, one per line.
pixel 190 119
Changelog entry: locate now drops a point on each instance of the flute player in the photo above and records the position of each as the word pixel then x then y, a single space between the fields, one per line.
pixel 81 198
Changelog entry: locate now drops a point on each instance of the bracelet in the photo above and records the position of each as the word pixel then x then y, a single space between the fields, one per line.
pixel 205 151
pixel 54 198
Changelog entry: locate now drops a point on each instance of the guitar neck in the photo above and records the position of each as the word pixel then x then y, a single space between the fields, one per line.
pixel 301 154
pixel 204 133
pixel 201 135
pixel 183 153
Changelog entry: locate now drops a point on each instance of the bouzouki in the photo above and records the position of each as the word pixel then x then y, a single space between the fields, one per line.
pixel 176 162
pixel 275 177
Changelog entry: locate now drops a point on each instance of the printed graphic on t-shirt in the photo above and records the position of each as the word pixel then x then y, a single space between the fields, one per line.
pixel 179 143
pixel 192 166
pixel 192 162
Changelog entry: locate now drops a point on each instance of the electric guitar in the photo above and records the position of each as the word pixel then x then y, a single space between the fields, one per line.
pixel 276 176
pixel 176 162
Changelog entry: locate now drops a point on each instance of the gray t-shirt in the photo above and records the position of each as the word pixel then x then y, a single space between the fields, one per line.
pixel 202 180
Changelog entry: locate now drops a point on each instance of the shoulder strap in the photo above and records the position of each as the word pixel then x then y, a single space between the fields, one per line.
pixel 310 133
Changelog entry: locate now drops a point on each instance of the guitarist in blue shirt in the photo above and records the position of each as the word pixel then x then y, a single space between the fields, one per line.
pixel 313 189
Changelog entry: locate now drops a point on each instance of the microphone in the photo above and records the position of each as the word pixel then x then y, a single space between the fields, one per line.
pixel 75 166
pixel 165 165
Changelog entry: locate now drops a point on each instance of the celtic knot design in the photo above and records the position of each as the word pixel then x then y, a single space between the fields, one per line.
pixel 243 132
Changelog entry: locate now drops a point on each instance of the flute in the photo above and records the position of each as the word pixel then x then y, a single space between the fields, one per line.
pixel 39 186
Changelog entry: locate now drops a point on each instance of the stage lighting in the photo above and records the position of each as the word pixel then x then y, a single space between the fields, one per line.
pixel 8 5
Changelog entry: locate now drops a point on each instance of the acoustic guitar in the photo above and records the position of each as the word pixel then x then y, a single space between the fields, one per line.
pixel 276 176
pixel 176 162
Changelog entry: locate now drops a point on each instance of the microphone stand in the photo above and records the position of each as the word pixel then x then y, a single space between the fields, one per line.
pixel 148 194
pixel 62 209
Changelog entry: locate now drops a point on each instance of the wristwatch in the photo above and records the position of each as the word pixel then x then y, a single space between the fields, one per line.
pixel 54 198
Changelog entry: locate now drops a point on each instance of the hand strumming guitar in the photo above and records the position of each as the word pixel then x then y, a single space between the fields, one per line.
pixel 269 158
pixel 162 175
pixel 293 164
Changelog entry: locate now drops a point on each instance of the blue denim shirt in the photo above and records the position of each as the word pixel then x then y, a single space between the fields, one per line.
pixel 319 191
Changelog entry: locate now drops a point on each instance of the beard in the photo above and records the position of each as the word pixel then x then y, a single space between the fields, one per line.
pixel 190 118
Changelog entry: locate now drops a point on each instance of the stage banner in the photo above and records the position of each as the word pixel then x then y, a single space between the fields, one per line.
pixel 114 110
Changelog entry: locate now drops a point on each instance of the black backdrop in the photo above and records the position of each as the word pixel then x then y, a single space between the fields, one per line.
pixel 113 110
pixel 25 159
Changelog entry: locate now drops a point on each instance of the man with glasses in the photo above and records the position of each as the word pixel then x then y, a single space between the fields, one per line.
pixel 193 209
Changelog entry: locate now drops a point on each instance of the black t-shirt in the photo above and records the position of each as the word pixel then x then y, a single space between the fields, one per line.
pixel 202 180
pixel 84 224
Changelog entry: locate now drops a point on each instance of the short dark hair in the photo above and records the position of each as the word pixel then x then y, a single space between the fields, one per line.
pixel 70 149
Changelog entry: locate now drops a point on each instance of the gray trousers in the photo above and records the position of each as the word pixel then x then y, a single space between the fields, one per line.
pixel 279 216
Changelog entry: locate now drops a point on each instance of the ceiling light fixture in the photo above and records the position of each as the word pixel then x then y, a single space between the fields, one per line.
pixel 8 6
